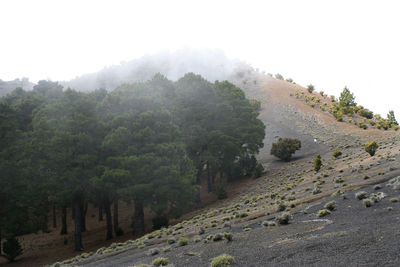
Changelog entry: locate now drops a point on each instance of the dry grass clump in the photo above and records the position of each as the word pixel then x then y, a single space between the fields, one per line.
pixel 160 262
pixel 323 212
pixel 331 205
pixel 223 260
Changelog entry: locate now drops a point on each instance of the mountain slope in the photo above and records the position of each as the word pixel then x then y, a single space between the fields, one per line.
pixel 354 230
pixel 292 183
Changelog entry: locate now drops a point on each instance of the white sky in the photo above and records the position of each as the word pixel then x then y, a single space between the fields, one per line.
pixel 327 43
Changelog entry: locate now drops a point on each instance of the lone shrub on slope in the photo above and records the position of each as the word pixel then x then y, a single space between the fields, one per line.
pixel 285 147
pixel 371 147
pixel 317 163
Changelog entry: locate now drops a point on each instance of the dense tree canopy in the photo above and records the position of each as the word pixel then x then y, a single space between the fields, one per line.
pixel 149 143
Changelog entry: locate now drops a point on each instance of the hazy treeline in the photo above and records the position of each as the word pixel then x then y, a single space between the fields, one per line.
pixel 7 87
pixel 212 65
pixel 149 143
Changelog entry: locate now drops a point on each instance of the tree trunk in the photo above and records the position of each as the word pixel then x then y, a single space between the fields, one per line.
pixel 100 213
pixel 84 208
pixel 63 220
pixel 73 212
pixel 115 216
pixel 209 182
pixel 107 211
pixel 78 225
pixel 54 217
pixel 198 182
pixel 45 222
pixel 138 217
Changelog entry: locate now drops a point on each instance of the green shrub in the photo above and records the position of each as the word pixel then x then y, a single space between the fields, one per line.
pixel 371 147
pixel 362 125
pixel 167 248
pixel 394 199
pixel 171 241
pixel 284 218
pixel 337 154
pixel 339 116
pixel 317 163
pixel 392 119
pixel 12 248
pixel 285 147
pixel 278 76
pixel 316 191
pixel 183 241
pixel 347 98
pixel 223 260
pixel 259 170
pixel 228 236
pixel 365 113
pixel 282 206
pixel 323 212
pixel 243 214
pixel 330 205
pixel 310 88
pixel 372 122
pixel 160 262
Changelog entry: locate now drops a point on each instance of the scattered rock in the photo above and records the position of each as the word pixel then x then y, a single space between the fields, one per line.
pixel 153 251
pixel 361 195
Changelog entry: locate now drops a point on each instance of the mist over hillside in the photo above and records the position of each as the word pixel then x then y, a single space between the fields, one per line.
pixel 211 64
pixel 7 87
